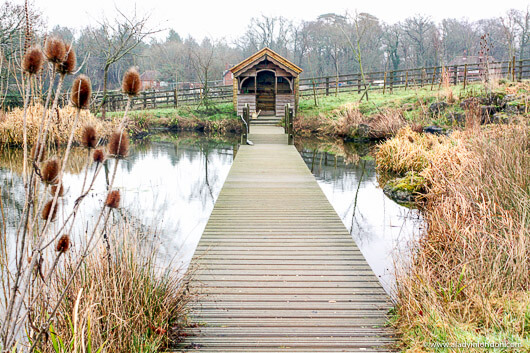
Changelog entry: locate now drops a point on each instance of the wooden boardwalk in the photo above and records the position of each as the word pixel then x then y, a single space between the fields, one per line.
pixel 278 271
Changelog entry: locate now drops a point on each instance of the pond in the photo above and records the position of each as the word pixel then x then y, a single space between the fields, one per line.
pixel 382 229
pixel 169 185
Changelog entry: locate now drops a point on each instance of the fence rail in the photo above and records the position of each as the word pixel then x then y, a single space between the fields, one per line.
pixel 387 81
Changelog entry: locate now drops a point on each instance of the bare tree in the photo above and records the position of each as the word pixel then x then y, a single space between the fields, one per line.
pixel 202 59
pixel 523 23
pixel 509 28
pixel 419 30
pixel 116 38
pixel 392 41
pixel 362 24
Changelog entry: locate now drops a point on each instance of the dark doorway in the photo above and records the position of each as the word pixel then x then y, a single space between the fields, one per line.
pixel 265 96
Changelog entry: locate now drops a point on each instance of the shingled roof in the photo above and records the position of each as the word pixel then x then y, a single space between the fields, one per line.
pixel 242 66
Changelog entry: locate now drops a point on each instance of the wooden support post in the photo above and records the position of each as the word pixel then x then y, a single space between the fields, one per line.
pixel 144 96
pixel 455 75
pixel 513 68
pixel 391 82
pixel 358 86
pixel 289 123
pixel 286 119
pixel 384 83
pixel 520 74
pixel 327 86
pixel 465 76
pixel 406 80
pixel 433 77
pixel 245 124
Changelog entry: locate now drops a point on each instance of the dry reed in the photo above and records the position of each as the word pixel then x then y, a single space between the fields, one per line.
pixel 11 127
pixel 470 273
pixel 121 301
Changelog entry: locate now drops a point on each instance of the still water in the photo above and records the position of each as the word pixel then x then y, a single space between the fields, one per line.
pixel 382 229
pixel 169 186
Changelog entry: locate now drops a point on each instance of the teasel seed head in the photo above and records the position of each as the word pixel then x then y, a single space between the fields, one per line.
pixel 50 172
pixel 67 66
pixel 131 82
pixel 35 151
pixel 81 92
pixel 63 244
pixel 98 155
pixel 32 60
pixel 119 144
pixel 47 210
pixel 113 199
pixel 89 137
pixel 55 50
pixel 54 190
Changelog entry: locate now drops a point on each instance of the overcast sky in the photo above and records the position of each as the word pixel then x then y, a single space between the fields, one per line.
pixel 229 18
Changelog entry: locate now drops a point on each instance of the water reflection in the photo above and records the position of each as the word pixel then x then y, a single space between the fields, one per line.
pixel 381 228
pixel 169 187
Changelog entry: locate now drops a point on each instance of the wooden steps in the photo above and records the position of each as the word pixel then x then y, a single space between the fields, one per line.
pixel 277 270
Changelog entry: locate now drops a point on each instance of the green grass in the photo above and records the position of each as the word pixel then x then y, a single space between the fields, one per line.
pixel 219 112
pixel 417 101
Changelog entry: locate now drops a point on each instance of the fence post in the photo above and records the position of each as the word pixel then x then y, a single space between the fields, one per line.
pixel 358 86
pixel 465 76
pixel 391 82
pixel 433 77
pixel 455 77
pixel 406 80
pixel 327 86
pixel 144 96
pixel 384 83
pixel 520 74
pixel 513 68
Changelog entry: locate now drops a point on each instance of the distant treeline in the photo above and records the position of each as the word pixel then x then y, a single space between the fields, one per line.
pixel 329 44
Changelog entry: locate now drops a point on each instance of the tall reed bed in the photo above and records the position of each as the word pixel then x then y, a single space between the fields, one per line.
pixel 120 299
pixel 11 126
pixel 64 289
pixel 469 279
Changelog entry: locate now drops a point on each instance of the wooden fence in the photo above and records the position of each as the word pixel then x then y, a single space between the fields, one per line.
pixel 386 81
pixel 432 77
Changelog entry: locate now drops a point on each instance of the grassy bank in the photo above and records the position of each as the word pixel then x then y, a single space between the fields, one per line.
pixel 221 119
pixel 469 278
pixel 382 115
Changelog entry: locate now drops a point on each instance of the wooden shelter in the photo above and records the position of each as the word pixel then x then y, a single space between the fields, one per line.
pixel 267 82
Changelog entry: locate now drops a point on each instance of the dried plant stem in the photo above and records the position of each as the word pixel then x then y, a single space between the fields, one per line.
pixel 54 106
pixel 25 284
pixel 127 108
pixel 45 114
pixel 25 133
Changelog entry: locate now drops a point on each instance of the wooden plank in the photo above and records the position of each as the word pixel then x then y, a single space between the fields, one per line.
pixel 276 269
